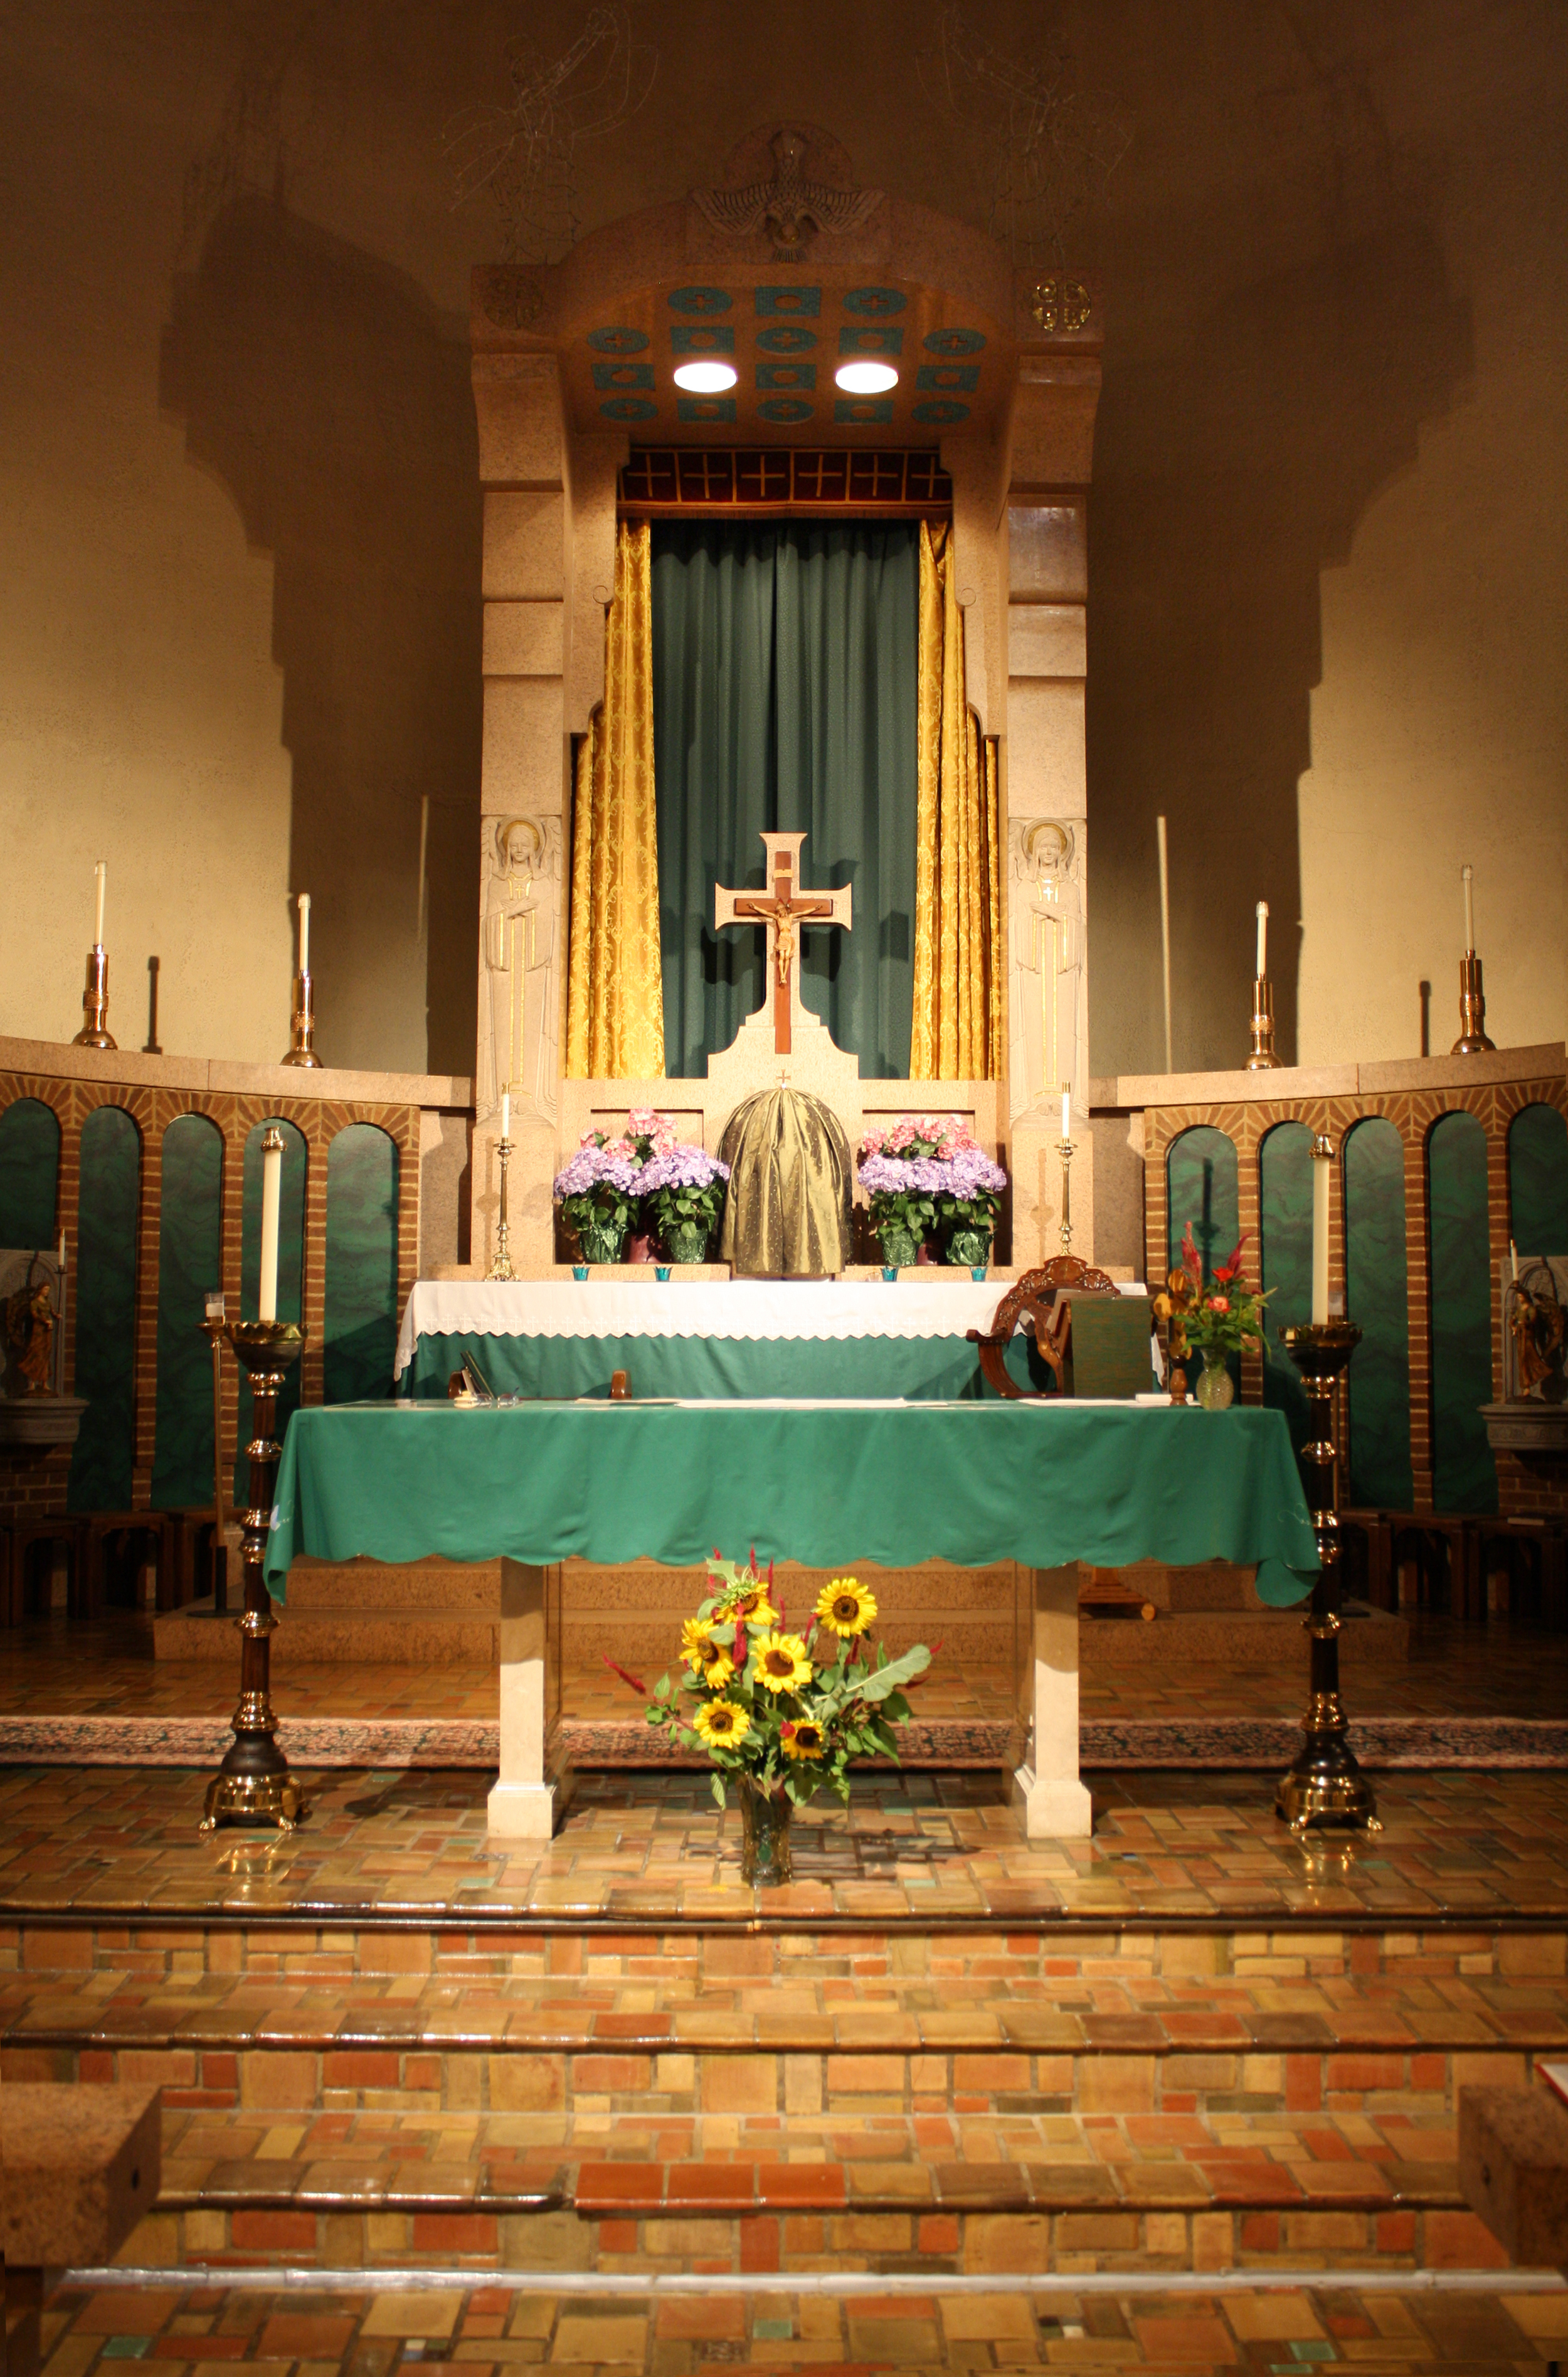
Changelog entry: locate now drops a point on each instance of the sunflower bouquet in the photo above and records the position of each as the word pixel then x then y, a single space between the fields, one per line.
pixel 782 1714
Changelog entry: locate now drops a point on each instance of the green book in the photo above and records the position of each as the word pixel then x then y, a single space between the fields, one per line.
pixel 1108 1346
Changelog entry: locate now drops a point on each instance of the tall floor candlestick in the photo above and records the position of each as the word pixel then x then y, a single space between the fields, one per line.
pixel 217 1330
pixel 1323 1166
pixel 1324 1786
pixel 501 1266
pixel 253 1784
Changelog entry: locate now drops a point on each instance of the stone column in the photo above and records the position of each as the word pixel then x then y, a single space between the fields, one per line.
pixel 1044 777
pixel 524 775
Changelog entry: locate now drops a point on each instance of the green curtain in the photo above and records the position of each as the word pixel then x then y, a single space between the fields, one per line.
pixel 784 674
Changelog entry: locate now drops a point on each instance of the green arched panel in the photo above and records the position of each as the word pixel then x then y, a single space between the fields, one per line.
pixel 1464 1473
pixel 1201 1188
pixel 30 1174
pixel 1285 1264
pixel 190 1262
pixel 1537 1181
pixel 1378 1470
pixel 361 1264
pixel 290 1271
pixel 104 1459
pixel 1200 1180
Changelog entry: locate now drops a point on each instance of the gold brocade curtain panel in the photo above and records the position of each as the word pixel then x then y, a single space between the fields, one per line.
pixel 957 1031
pixel 614 980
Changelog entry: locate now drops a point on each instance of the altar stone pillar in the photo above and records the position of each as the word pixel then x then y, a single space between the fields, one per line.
pixel 535 1782
pixel 1046 1789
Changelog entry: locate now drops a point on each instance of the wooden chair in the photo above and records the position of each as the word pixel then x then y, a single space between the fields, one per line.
pixel 1038 1297
pixel 114 1530
pixel 19 1535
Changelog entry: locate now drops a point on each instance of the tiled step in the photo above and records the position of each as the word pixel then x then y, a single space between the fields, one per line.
pixel 939 2192
pixel 1170 2048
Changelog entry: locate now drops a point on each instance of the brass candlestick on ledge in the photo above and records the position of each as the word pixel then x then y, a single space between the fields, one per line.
pixel 253 1784
pixel 1260 1057
pixel 1067 1152
pixel 95 1032
pixel 501 1267
pixel 1324 1786
pixel 1472 1038
pixel 303 1024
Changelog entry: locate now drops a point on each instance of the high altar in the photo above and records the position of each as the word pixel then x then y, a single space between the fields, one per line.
pixel 990 429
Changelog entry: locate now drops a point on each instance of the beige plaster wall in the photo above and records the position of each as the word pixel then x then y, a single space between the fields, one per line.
pixel 240 539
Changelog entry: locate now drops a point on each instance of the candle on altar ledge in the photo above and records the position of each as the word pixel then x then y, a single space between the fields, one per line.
pixel 1323 1159
pixel 1468 876
pixel 506 1114
pixel 1263 938
pixel 100 874
pixel 271 1197
pixel 304 932
pixel 1066 1114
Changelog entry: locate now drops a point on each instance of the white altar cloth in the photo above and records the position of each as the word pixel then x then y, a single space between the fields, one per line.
pixel 941 1307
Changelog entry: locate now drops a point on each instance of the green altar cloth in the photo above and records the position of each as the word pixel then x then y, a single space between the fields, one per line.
pixel 930 1369
pixel 825 1484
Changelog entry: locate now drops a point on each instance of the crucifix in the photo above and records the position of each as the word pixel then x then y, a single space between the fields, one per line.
pixel 783 910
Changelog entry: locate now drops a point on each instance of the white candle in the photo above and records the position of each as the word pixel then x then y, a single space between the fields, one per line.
pixel 1466 877
pixel 1263 938
pixel 271 1192
pixel 100 873
pixel 304 932
pixel 506 1114
pixel 62 1249
pixel 1323 1159
pixel 1066 1114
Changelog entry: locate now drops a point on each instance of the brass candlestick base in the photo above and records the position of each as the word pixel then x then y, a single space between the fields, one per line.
pixel 1324 1785
pixel 501 1267
pixel 1262 1058
pixel 1066 1152
pixel 1472 1038
pixel 95 1032
pixel 253 1784
pixel 301 1024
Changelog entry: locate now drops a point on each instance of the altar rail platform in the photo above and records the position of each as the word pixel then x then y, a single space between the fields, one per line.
pixel 1188 2043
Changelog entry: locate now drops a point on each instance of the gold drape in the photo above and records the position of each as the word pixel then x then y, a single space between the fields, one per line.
pixel 614 983
pixel 957 1031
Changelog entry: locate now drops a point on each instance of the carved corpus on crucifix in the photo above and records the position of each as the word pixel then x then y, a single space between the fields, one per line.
pixel 785 911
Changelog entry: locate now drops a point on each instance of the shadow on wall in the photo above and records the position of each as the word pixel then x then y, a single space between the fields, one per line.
pixel 1226 479
pixel 333 403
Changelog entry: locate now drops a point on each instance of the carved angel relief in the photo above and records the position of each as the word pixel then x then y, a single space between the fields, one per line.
pixel 793 206
pixel 519 1011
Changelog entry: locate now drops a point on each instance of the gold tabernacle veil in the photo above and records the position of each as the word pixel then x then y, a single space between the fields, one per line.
pixel 787 1215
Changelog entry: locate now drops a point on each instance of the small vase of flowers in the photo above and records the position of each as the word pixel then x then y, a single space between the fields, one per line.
pixel 1217 1316
pixel 926 1178
pixel 779 1714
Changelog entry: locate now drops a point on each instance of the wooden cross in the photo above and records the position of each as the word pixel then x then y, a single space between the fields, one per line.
pixel 779 907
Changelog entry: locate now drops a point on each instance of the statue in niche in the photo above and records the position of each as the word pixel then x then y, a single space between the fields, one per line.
pixel 29 1328
pixel 519 1019
pixel 1046 935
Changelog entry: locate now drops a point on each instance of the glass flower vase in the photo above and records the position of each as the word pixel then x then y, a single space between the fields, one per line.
pixel 900 1247
pixel 764 1834
pixel 687 1242
pixel 1215 1389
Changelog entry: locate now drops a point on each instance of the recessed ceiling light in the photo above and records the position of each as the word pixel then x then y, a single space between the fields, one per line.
pixel 705 378
pixel 865 379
